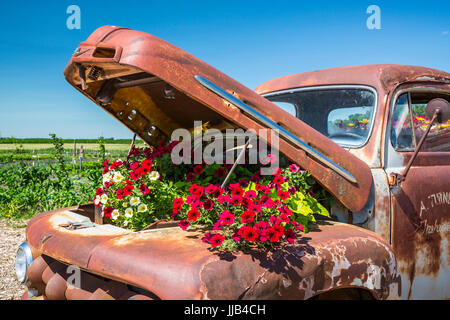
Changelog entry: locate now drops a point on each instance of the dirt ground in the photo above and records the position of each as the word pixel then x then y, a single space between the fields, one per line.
pixel 10 238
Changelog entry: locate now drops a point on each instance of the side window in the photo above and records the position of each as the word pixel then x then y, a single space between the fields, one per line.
pixel 286 106
pixel 410 109
pixel 401 134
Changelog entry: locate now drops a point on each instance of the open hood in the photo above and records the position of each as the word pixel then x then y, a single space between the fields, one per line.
pixel 153 88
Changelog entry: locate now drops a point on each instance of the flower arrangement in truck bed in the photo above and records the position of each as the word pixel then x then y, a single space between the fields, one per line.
pixel 251 210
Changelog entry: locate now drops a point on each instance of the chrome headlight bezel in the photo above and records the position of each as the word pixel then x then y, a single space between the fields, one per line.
pixel 24 258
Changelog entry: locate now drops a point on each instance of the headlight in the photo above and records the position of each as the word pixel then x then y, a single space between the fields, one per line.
pixel 24 258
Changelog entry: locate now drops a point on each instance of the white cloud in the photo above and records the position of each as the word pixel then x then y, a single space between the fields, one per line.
pixel 444 33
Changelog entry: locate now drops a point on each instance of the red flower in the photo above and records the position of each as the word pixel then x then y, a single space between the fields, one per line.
pixel 247 216
pixel 255 208
pixel 226 218
pixel 198 169
pixel 178 202
pixel 248 233
pixel 221 172
pixel 223 198
pixel 105 170
pixel 144 189
pixel 283 194
pixel 107 212
pixel 243 183
pixel 191 199
pixel 183 224
pixel 250 194
pixel 261 227
pixel 297 225
pixel 273 235
pixel 147 164
pixel 120 193
pixel 237 192
pixel 217 193
pixel 235 200
pixel 276 171
pixel 292 190
pixel 206 238
pixel 128 189
pixel 278 179
pixel 99 191
pixel 193 214
pixel 208 204
pixel 196 190
pixel 105 163
pixel 134 175
pixel 278 228
pixel 290 235
pixel 211 188
pixel 107 184
pixel 134 165
pixel 189 177
pixel 197 204
pixel 216 240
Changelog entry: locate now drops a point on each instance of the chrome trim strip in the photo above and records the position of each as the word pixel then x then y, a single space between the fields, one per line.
pixel 272 125
pixel 332 87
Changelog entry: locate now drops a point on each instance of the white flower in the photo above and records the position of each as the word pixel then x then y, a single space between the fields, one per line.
pixel 125 223
pixel 135 201
pixel 97 200
pixel 104 198
pixel 118 177
pixel 115 214
pixel 107 178
pixel 154 175
pixel 129 213
pixel 142 207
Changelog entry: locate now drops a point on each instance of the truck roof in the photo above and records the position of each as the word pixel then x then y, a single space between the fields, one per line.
pixel 379 76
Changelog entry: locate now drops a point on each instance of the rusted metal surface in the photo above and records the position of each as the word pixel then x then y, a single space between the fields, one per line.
pixel 174 264
pixel 144 52
pixel 46 232
pixel 52 284
pixel 420 212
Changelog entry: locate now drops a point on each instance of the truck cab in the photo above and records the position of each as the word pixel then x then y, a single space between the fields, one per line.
pixel 368 110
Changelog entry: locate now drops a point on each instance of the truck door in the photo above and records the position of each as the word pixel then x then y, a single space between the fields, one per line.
pixel 421 204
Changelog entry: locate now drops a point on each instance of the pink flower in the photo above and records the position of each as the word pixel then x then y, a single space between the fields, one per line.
pixel 294 168
pixel 271 158
pixel 183 224
pixel 251 194
pixel 226 218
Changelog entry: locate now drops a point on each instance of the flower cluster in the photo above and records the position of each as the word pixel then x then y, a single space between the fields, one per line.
pixel 258 211
pixel 251 210
pixel 130 190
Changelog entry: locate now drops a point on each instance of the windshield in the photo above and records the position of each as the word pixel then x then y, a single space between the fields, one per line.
pixel 342 114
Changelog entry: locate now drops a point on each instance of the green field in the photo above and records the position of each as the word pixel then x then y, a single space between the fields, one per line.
pixel 37 149
pixel 37 175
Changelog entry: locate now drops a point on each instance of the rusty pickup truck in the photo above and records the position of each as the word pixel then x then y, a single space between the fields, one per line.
pixel 376 137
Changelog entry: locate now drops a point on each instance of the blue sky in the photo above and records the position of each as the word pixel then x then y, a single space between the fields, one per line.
pixel 251 41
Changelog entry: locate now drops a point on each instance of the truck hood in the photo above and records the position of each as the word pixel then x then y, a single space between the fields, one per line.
pixel 153 88
pixel 175 264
